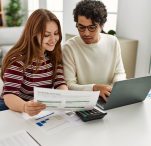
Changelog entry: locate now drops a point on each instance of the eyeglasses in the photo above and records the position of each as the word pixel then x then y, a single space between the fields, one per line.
pixel 82 28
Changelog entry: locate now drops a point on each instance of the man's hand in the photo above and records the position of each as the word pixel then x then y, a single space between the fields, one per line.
pixel 105 90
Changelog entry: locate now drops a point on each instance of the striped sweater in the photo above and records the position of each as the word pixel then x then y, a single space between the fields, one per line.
pixel 21 83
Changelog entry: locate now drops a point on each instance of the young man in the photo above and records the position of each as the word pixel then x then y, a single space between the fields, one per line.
pixel 92 61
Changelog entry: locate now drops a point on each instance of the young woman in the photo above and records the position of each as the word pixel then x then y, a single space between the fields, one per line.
pixel 35 60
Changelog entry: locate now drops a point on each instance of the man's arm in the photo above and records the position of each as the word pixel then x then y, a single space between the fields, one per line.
pixel 70 71
pixel 119 73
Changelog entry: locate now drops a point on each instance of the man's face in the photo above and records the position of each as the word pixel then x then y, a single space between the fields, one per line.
pixel 88 31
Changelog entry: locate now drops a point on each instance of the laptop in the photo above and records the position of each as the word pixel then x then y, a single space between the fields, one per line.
pixel 127 92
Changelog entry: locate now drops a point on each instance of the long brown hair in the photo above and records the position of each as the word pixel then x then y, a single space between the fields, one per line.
pixel 27 48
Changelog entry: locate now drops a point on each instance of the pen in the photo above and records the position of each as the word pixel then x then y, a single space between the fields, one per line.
pixel 33 138
pixel 45 116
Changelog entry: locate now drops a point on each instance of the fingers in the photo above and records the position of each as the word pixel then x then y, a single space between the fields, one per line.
pixel 33 108
pixel 109 89
pixel 105 92
pixel 35 105
pixel 33 113
pixel 104 98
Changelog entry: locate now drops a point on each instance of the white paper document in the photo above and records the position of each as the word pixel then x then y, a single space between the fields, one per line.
pixel 53 121
pixel 66 99
pixel 19 138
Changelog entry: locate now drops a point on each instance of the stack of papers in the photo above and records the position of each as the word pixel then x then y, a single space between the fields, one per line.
pixel 66 99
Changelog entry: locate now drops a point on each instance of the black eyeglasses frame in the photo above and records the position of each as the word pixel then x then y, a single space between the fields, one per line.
pixel 91 28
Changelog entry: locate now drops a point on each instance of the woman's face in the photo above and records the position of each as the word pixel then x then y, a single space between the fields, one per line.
pixel 51 36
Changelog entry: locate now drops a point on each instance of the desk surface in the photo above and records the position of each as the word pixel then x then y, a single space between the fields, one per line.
pixel 125 126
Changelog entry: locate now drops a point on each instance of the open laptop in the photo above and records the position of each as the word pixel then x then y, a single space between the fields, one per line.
pixel 127 92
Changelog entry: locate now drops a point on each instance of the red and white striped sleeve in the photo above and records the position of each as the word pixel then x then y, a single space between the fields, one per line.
pixel 59 78
pixel 13 78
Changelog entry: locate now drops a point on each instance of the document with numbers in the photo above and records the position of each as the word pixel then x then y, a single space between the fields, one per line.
pixel 66 99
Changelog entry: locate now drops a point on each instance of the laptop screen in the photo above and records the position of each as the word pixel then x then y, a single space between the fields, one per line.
pixel 127 92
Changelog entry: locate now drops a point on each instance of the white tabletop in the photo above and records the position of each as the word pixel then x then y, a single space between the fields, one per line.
pixel 125 126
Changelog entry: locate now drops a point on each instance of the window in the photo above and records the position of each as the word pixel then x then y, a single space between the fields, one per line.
pixel 112 6
pixel 56 6
pixel 32 5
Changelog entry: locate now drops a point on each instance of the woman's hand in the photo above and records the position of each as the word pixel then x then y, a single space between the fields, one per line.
pixel 33 108
pixel 105 90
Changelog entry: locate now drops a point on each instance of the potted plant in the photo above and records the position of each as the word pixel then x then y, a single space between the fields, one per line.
pixel 13 30
pixel 13 13
pixel 111 32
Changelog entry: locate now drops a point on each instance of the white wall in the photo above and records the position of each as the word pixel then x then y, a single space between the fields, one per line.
pixel 42 4
pixel 134 21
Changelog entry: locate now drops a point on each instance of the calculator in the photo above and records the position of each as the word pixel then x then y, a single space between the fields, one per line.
pixel 88 115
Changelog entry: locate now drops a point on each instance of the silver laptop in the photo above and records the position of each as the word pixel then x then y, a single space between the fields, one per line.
pixel 127 92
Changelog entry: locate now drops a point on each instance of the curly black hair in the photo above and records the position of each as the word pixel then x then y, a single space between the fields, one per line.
pixel 91 9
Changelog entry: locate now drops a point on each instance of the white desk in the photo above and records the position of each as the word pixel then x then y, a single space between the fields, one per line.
pixel 125 126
